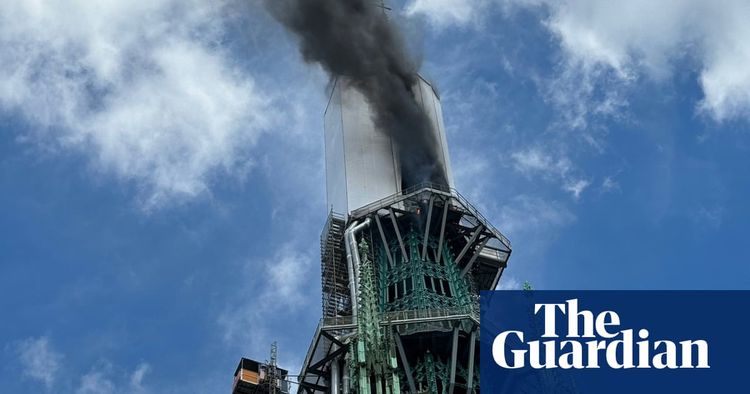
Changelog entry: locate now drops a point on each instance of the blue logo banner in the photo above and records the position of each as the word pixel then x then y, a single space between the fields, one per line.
pixel 614 341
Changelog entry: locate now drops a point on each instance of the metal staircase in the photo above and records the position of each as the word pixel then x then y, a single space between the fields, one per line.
pixel 334 274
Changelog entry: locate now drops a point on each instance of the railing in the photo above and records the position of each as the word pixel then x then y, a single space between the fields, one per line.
pixel 430 314
pixel 337 321
pixel 481 217
pixel 329 221
pixel 407 316
pixel 435 188
pixel 386 202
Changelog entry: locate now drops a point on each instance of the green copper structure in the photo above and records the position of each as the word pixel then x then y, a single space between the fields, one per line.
pixel 376 358
pixel 417 283
pixel 401 281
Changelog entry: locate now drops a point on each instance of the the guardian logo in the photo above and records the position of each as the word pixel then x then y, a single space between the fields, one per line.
pixel 593 342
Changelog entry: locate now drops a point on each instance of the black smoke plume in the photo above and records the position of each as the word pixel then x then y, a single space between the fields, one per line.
pixel 353 39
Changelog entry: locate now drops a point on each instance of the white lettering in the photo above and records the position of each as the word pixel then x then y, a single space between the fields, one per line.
pixel 569 354
pixel 498 351
pixel 549 318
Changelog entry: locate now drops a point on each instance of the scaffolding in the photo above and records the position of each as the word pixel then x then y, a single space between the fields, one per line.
pixel 334 274
pixel 272 371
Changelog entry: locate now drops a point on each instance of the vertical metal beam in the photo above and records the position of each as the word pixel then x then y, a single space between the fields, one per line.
pixel 405 363
pixel 335 376
pixel 497 278
pixel 345 382
pixel 442 230
pixel 474 257
pixel 398 235
pixel 454 355
pixel 473 238
pixel 393 383
pixel 385 241
pixel 427 228
pixel 352 259
pixel 470 379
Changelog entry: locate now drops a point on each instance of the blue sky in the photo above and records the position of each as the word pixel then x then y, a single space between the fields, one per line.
pixel 162 185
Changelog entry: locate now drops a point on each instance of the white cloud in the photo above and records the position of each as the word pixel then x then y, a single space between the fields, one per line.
pixel 252 318
pixel 634 38
pixel 95 382
pixel 39 360
pixel 576 187
pixel 142 88
pixel 106 378
pixel 446 12
pixel 136 378
pixel 609 185
pixel 278 283
pixel 508 282
pixel 286 272
pixel 535 160
pixel 555 168
pixel 582 95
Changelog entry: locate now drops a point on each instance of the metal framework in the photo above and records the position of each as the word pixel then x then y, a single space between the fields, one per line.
pixel 417 263
pixel 334 275
pixel 273 376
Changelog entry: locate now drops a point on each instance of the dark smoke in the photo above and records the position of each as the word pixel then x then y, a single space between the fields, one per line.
pixel 353 39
